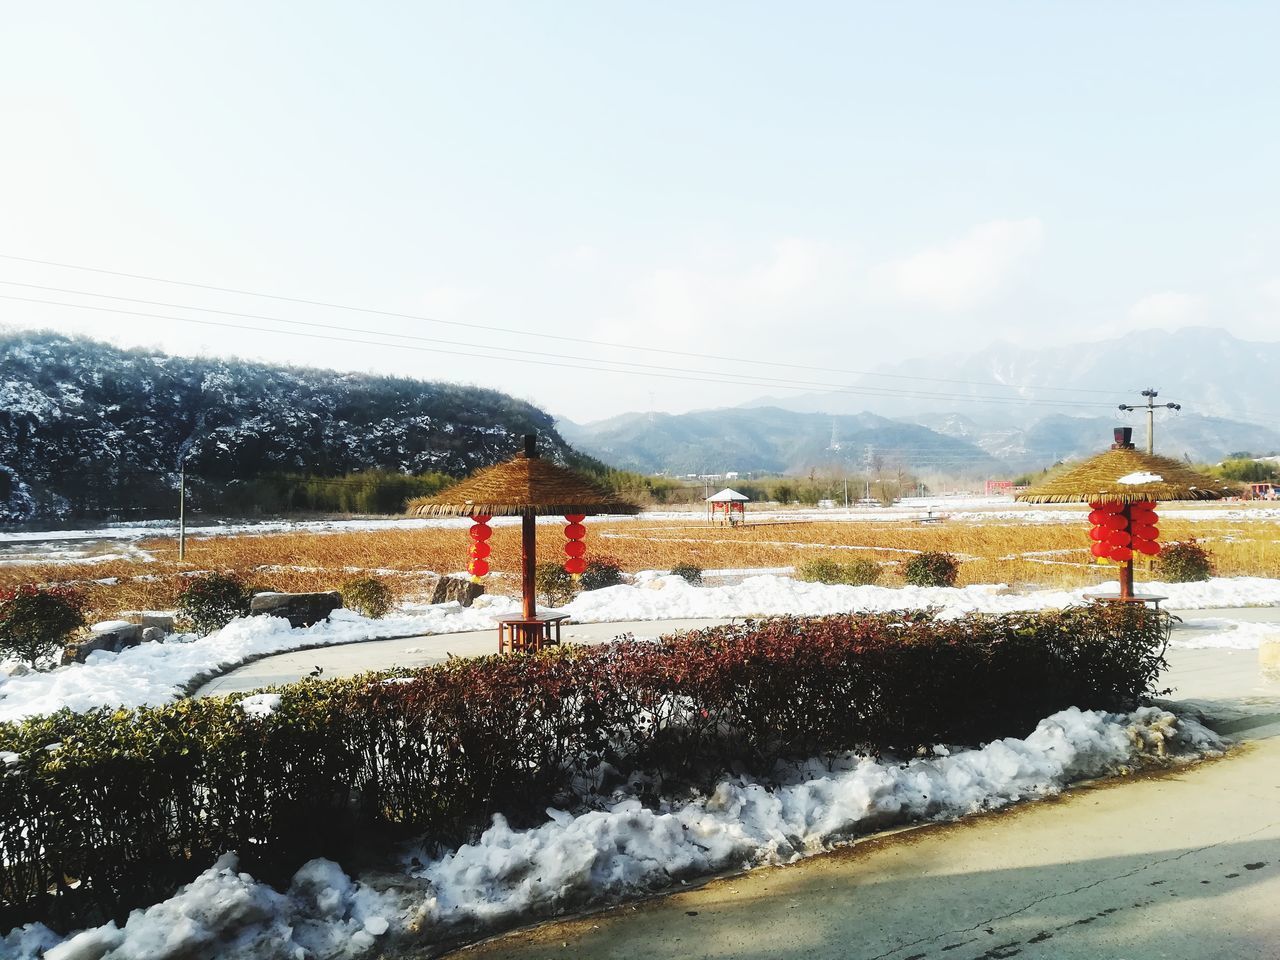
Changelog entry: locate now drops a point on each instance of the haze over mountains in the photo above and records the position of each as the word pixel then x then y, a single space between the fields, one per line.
pixel 1000 408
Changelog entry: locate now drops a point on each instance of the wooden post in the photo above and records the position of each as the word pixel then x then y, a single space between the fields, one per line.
pixel 528 564
pixel 1126 571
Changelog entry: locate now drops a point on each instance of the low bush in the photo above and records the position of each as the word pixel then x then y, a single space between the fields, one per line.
pixel 690 572
pixel 35 622
pixel 931 569
pixel 368 596
pixel 857 572
pixel 211 601
pixel 1184 562
pixel 554 584
pixel 133 803
pixel 602 571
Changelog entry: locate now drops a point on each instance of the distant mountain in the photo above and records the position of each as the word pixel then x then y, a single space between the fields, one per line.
pixel 87 429
pixel 1049 439
pixel 1207 370
pixel 769 439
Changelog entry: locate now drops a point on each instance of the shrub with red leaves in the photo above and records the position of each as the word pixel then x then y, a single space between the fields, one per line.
pixel 437 751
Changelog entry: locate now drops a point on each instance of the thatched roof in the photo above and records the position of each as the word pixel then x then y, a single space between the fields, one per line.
pixel 523 487
pixel 1125 475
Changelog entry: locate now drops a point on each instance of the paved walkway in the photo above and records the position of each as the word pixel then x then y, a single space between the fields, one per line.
pixel 352 658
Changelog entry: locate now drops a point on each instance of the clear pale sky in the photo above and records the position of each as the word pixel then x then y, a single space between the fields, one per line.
pixel 839 184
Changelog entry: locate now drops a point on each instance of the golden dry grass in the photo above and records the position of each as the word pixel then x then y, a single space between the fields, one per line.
pixel 994 551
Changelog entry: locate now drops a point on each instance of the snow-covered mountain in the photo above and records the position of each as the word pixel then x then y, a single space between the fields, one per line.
pixel 1207 370
pixel 90 429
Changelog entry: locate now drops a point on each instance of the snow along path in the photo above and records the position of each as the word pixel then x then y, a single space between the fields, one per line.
pixel 157 673
pixel 628 849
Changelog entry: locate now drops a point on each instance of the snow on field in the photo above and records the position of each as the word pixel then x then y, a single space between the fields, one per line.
pixel 624 850
pixel 155 673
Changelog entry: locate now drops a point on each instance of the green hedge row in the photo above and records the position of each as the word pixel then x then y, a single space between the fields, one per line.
pixel 108 810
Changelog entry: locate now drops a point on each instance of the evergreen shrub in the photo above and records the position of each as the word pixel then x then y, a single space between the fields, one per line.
pixel 368 596
pixel 35 622
pixel 857 572
pixel 931 569
pixel 1185 561
pixel 211 601
pixel 602 571
pixel 134 803
pixel 554 584
pixel 692 573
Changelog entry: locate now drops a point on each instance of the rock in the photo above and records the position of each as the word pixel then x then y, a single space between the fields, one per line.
pixel 113 636
pixel 300 609
pixel 153 635
pixel 160 621
pixel 460 589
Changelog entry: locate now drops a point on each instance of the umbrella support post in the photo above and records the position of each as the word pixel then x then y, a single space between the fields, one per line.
pixel 1126 580
pixel 528 566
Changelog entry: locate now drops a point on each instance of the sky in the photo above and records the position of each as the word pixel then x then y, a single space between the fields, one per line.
pixel 590 205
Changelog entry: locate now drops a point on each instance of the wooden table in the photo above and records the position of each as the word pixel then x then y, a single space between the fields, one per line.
pixel 529 634
pixel 1144 598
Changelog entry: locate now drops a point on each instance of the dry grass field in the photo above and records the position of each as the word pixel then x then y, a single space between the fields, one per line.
pixel 994 551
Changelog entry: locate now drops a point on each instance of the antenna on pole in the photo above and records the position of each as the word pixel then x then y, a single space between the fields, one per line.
pixel 1150 406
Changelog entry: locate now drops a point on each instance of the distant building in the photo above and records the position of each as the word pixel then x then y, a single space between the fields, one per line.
pixel 727 503
pixel 997 487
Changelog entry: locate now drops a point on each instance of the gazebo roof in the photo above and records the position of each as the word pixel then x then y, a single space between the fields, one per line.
pixel 524 487
pixel 728 495
pixel 1125 475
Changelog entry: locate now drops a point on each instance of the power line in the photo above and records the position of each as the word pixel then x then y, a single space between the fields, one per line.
pixel 507 330
pixel 699 376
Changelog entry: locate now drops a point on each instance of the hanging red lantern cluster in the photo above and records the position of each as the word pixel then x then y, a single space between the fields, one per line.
pixel 480 533
pixel 1119 531
pixel 1144 533
pixel 574 549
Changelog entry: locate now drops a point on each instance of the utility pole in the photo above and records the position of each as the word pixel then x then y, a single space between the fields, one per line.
pixel 846 493
pixel 1150 406
pixel 182 509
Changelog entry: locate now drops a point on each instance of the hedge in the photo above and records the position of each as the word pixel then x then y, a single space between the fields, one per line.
pixel 111 809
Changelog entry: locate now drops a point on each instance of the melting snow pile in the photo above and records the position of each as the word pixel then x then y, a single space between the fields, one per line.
pixel 627 849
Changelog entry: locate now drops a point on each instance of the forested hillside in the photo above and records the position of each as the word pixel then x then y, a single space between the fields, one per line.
pixel 91 430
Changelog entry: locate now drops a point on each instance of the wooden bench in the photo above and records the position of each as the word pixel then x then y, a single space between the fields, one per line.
pixel 1144 598
pixel 529 634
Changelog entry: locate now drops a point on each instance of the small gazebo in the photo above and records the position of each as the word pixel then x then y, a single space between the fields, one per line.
pixel 1122 486
pixel 527 487
pixel 728 502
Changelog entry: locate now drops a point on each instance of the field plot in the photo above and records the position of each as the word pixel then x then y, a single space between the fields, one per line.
pixel 1032 548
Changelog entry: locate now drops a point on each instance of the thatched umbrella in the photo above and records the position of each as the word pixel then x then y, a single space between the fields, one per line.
pixel 1125 482
pixel 527 487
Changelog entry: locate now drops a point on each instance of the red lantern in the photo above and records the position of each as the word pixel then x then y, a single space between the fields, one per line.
pixel 1100 550
pixel 480 549
pixel 574 548
pixel 1146 532
pixel 575 531
pixel 575 566
pixel 480 531
pixel 1097 516
pixel 478 567
pixel 1155 549
pixel 1098 533
pixel 575 517
pixel 1117 521
pixel 1146 547
pixel 1111 506
pixel 1121 554
pixel 1118 538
